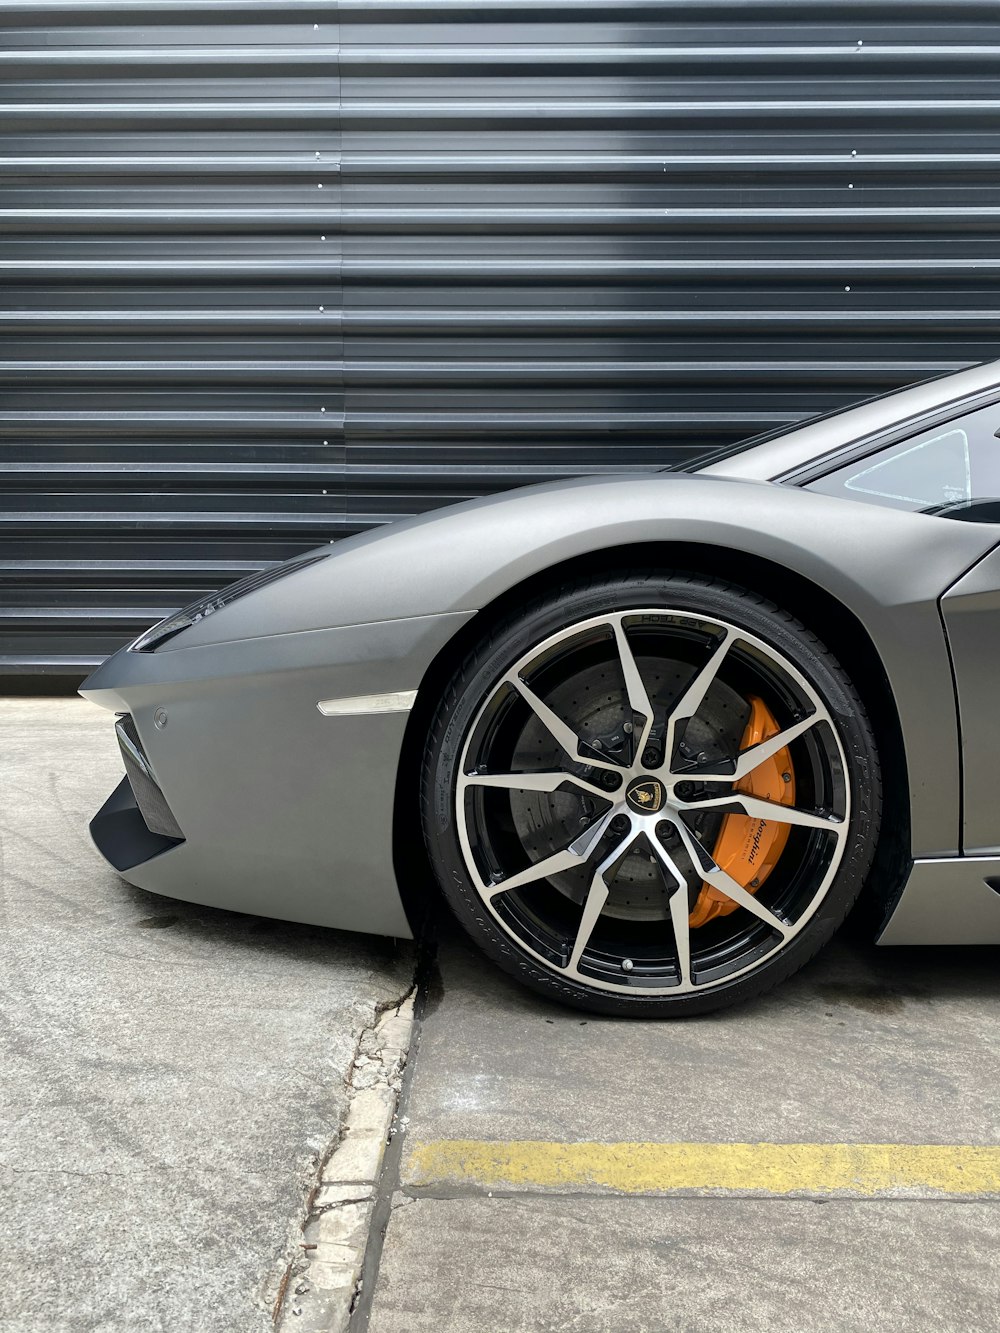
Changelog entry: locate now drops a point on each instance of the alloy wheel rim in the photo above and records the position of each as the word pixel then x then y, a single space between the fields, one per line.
pixel 616 829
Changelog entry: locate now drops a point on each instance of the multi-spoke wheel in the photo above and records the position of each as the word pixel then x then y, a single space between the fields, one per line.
pixel 654 794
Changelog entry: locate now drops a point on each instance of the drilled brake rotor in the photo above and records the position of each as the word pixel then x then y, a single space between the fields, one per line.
pixel 591 702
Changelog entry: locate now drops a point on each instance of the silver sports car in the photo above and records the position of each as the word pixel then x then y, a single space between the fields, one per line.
pixel 654 734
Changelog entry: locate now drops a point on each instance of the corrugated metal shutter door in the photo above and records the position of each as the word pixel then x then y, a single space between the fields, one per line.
pixel 164 354
pixel 275 272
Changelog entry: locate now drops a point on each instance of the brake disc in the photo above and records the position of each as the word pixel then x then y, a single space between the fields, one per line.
pixel 590 701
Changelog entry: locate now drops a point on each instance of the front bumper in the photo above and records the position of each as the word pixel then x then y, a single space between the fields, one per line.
pixel 284 812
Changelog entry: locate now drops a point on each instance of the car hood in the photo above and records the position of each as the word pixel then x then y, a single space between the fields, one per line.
pixel 460 558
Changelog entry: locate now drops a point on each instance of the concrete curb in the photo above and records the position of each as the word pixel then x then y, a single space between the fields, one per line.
pixel 321 1286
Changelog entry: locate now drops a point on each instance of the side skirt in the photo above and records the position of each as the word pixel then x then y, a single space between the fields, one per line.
pixel 948 901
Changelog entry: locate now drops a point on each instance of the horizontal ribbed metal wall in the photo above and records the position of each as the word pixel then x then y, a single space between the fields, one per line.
pixel 276 272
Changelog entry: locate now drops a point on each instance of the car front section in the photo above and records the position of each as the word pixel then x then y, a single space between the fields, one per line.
pixel 260 771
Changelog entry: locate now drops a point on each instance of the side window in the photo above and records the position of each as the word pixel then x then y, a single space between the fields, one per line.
pixel 953 470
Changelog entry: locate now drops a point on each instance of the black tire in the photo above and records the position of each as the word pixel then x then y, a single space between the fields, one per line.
pixel 845 733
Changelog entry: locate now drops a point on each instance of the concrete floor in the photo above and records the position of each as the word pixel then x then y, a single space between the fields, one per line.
pixel 170 1073
pixel 866 1046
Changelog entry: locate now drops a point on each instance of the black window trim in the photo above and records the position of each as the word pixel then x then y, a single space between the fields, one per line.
pixel 858 450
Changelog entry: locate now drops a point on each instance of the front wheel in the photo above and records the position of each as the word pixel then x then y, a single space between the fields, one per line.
pixel 652 794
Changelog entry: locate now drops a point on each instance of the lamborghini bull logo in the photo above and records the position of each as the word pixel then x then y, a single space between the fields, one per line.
pixel 646 795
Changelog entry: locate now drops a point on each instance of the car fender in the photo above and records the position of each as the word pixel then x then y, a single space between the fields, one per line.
pixel 887 567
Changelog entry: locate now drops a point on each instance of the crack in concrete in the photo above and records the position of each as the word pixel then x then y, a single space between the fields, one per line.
pixel 323 1260
pixel 386 1196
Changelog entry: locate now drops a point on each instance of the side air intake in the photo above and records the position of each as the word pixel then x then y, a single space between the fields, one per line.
pixel 152 804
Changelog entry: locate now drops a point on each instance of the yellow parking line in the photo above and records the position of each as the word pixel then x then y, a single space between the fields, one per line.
pixel 855 1170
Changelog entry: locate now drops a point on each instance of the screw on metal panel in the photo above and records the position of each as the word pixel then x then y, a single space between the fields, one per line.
pixel 850 185
pixel 860 42
pixel 320 186
pixel 627 965
pixel 854 152
pixel 847 289
pixel 322 238
pixel 786 777
pixel 627 728
pixel 322 307
pixel 755 883
pixel 322 409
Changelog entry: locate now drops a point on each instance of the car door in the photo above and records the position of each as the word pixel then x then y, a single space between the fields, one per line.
pixel 952 473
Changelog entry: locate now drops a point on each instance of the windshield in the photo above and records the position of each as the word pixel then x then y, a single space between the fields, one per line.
pixel 775 432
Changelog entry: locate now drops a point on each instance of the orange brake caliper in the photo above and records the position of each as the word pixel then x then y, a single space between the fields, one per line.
pixel 746 848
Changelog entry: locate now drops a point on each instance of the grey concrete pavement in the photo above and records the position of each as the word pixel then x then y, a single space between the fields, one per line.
pixel 170 1073
pixel 866 1046
pixel 586 1265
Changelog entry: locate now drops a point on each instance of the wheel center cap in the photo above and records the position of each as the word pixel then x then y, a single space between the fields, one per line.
pixel 646 795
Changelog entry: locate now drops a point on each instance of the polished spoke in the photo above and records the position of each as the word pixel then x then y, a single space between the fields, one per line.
pixel 597 896
pixel 679 917
pixel 717 877
pixel 691 700
pixel 680 910
pixel 564 735
pixel 757 808
pixel 635 691
pixel 576 854
pixel 748 760
pixel 547 782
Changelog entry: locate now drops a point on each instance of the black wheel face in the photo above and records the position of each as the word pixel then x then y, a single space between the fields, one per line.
pixel 655 795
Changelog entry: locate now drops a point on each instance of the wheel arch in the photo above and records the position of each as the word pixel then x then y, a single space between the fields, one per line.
pixel 822 613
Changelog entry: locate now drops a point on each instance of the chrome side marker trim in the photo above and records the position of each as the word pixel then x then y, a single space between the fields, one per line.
pixel 401 702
